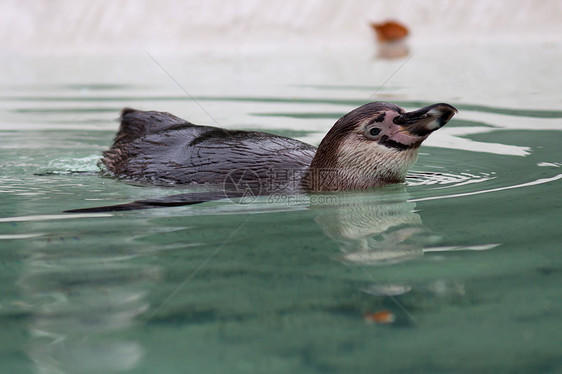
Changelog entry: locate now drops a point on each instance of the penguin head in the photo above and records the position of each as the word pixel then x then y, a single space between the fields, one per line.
pixel 374 145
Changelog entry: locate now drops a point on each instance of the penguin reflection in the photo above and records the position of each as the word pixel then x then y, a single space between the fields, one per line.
pixel 382 228
pixel 374 228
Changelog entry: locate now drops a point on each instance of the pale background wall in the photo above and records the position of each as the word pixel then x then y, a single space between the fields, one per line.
pixel 96 26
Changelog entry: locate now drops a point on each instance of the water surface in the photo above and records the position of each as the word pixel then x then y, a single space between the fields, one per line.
pixel 466 255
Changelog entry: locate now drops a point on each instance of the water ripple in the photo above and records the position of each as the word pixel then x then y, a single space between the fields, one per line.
pixel 528 184
pixel 447 180
pixel 65 166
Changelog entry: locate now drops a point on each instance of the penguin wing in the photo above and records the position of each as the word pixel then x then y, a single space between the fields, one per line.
pixel 163 202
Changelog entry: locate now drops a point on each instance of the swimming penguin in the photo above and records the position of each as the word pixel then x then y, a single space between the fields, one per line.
pixel 371 146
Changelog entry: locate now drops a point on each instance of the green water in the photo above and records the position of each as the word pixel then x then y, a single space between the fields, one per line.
pixel 467 255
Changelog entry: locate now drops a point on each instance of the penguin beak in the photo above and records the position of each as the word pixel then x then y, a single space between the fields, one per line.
pixel 424 121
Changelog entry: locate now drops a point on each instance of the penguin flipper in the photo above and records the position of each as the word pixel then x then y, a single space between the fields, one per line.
pixel 168 201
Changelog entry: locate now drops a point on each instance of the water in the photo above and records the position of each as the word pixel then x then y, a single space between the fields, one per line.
pixel 466 256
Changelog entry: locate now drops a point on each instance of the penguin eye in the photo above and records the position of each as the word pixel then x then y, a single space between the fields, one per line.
pixel 372 133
